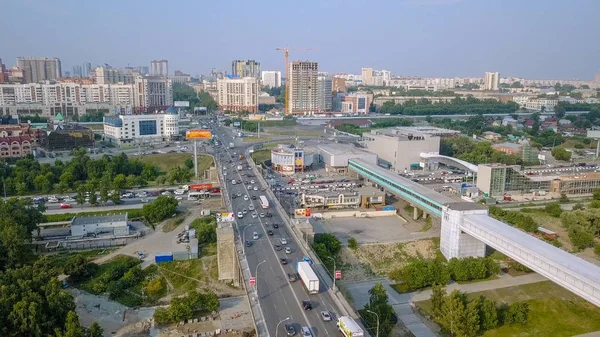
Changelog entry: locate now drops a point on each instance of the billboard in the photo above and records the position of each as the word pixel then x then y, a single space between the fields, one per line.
pixel 181 104
pixel 302 212
pixel 225 217
pixel 198 134
pixel 200 187
pixel 236 124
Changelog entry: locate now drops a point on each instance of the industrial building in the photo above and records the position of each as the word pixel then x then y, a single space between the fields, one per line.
pixel 286 160
pixel 138 129
pixel 112 224
pixel 336 156
pixel 400 148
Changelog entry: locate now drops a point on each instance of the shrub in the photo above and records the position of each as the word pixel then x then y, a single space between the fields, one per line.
pixel 597 249
pixel 553 209
pixel 421 274
pixel 518 313
pixel 352 243
pixel 580 238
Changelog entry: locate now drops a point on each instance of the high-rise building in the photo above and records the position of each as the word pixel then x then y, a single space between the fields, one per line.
pixel 3 73
pixel 367 76
pixel 238 94
pixel 159 68
pixel 271 78
pixel 303 97
pixel 86 69
pixel 39 69
pixel 108 75
pixel 154 93
pixel 339 84
pixel 324 91
pixel 491 81
pixel 249 68
pixel 77 72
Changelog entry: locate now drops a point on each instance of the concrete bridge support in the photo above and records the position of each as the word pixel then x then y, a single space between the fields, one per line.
pixel 453 241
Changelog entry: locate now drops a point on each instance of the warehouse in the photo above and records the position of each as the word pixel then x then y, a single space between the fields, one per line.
pixel 336 156
pixel 111 224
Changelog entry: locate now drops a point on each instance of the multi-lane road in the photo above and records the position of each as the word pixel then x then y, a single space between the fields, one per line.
pixel 279 298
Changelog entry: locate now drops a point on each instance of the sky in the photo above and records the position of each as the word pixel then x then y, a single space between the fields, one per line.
pixel 535 39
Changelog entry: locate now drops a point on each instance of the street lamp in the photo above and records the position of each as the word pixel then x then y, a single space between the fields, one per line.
pixel 333 271
pixel 277 328
pixel 244 237
pixel 256 276
pixel 376 314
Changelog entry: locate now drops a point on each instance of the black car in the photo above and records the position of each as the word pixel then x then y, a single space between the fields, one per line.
pixel 248 243
pixel 283 260
pixel 233 196
pixel 292 277
pixel 275 225
pixel 269 215
pixel 289 330
pixel 277 247
pixel 269 232
pixel 307 305
pixel 253 197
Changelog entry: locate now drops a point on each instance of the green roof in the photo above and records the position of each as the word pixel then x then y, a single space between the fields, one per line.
pixel 59 117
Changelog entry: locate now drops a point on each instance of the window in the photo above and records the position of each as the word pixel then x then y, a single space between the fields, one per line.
pixel 147 128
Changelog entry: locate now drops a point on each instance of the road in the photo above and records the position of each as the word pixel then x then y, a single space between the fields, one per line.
pixel 278 297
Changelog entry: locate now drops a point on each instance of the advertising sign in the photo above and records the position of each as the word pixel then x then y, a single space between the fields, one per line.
pixel 225 217
pixel 236 124
pixel 200 187
pixel 181 104
pixel 303 212
pixel 198 134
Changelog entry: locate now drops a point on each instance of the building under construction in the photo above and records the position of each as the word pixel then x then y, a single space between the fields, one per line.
pixel 303 96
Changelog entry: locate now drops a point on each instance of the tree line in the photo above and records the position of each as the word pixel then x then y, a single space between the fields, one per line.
pixel 183 92
pixel 474 152
pixel 458 106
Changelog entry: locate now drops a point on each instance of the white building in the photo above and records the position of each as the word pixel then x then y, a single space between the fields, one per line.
pixel 141 129
pixel 271 78
pixel 538 103
pixel 159 68
pixel 115 225
pixel 491 81
pixel 238 94
pixel 153 92
pixel 336 156
pixel 287 161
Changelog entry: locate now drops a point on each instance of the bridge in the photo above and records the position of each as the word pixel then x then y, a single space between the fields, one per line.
pixel 467 228
pixel 450 161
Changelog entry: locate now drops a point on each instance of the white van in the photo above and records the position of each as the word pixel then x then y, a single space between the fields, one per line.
pixel 179 192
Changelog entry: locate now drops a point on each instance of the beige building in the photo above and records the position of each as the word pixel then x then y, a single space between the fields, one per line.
pixel 491 81
pixel 39 69
pixel 303 97
pixel 238 94
pixel 367 76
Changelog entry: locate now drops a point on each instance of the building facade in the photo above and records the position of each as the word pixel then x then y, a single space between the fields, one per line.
pixel 271 78
pixel 39 69
pixel 250 68
pixel 303 98
pixel 238 94
pixel 109 75
pixel 3 73
pixel 491 81
pixel 367 76
pixel 153 93
pixel 287 161
pixel 141 129
pixel 159 68
pixel 324 91
pixel 338 84
pixel 15 146
pixel 115 224
pixel 66 137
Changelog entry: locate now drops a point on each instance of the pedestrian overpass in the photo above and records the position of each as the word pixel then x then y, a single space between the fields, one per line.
pixel 450 161
pixel 467 228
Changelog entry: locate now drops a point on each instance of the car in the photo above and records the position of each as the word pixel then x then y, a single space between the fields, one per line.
pixel 233 196
pixel 253 197
pixel 239 194
pixel 325 316
pixel 269 215
pixel 251 181
pixel 251 207
pixel 288 250
pixel 255 236
pixel 307 305
pixel 240 215
pixel 166 193
pixel 262 215
pixel 270 233
pixel 307 259
pixel 254 215
pixel 248 243
pixel 245 197
pixel 275 225
pixel 277 247
pixel 292 277
pixel 283 260
pixel 283 241
pixel 255 188
pixel 178 198
pixel 306 332
pixel 289 330
pixel 244 211
pixel 65 206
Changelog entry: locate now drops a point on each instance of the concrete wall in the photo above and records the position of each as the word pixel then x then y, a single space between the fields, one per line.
pixel 226 255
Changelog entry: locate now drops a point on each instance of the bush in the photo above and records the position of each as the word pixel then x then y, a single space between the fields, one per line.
pixel 471 268
pixel 516 266
pixel 597 249
pixel 515 218
pixel 183 308
pixel 580 238
pixel 595 203
pixel 421 274
pixel 518 313
pixel 160 208
pixel 332 244
pixel 206 230
pixel 553 209
pixel 352 243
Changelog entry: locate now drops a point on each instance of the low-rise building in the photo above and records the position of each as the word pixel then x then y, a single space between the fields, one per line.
pixel 286 160
pixel 361 123
pixel 140 129
pixel 15 146
pixel 508 148
pixel 112 224
pixel 367 197
pixel 61 136
pixel 336 156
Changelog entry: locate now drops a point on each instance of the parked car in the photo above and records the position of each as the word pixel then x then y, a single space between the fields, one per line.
pixel 65 206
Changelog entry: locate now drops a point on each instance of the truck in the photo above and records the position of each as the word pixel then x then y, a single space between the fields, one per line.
pixel 349 328
pixel 231 145
pixel 308 277
pixel 239 167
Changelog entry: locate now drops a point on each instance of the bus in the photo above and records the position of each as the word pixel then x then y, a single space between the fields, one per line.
pixel 197 195
pixel 264 202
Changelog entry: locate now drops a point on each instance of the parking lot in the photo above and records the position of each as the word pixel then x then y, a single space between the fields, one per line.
pixel 366 230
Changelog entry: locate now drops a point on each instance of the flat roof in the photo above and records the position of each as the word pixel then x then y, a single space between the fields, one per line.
pixel 567 261
pixel 430 130
pixel 407 183
pixel 337 149
pixel 97 219
pixel 585 176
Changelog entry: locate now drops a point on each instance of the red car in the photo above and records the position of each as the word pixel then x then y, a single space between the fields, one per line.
pixel 65 206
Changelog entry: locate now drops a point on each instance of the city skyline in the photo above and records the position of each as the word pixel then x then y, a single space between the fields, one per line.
pixel 429 38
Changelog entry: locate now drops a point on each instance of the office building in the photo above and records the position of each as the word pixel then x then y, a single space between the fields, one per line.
pixel 141 129
pixel 154 93
pixel 271 78
pixel 86 69
pixel 357 103
pixel 303 98
pixel 112 224
pixel 61 136
pixel 367 76
pixel 324 92
pixel 39 69
pixel 249 68
pixel 491 81
pixel 238 94
pixel 3 73
pixel 77 72
pixel 400 148
pixel 159 68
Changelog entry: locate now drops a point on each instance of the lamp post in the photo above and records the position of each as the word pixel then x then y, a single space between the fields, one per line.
pixel 277 328
pixel 376 314
pixel 256 276
pixel 333 271
pixel 244 237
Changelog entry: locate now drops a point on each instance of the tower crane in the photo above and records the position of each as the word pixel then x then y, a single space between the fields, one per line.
pixel 287 73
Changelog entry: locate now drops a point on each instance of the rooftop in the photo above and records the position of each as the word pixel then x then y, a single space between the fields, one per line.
pixel 338 149
pixel 77 221
pixel 508 145
pixel 427 130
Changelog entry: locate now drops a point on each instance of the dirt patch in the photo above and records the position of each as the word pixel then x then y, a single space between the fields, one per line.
pixel 383 258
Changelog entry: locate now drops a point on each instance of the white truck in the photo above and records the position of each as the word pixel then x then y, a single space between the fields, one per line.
pixel 308 277
pixel 349 328
pixel 231 145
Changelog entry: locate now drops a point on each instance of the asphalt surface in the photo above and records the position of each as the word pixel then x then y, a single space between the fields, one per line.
pixel 278 297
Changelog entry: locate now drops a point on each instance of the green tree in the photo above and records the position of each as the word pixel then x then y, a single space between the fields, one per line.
pixel 553 209
pixel 206 232
pixel 76 266
pixel 332 243
pixel 597 194
pixel 353 244
pixel 597 249
pixel 488 314
pixel 119 183
pixel 438 295
pixel 189 163
pixel 580 238
pixel 131 181
pixel 80 198
pixel 518 313
pixel 559 111
pixel 104 197
pixel 72 327
pixel 155 287
pixel 95 330
pixel 561 154
pixel 378 303
pixel 160 208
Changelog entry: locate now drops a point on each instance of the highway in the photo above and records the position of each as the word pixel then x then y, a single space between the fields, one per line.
pixel 278 297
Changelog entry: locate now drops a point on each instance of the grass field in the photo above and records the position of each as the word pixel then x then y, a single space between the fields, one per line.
pixel 296 133
pixel 256 139
pixel 184 276
pixel 285 122
pixel 554 311
pixel 167 161
pixel 261 155
pixel 571 142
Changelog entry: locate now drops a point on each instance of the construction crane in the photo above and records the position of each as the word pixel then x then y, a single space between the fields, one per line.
pixel 287 72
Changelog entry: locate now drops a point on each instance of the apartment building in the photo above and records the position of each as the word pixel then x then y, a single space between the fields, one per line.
pixel 39 69
pixel 324 91
pixel 367 76
pixel 238 94
pixel 491 81
pixel 338 84
pixel 249 68
pixel 109 75
pixel 3 73
pixel 271 78
pixel 303 98
pixel 153 93
pixel 159 68
pixel 140 129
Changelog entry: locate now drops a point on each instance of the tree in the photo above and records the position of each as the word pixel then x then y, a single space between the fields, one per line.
pixel 332 243
pixel 559 111
pixel 72 327
pixel 119 183
pixel 353 244
pixel 104 193
pixel 560 153
pixel 438 294
pixel 76 266
pixel 18 218
pixel 580 238
pixel 80 198
pixel 95 330
pixel 378 303
pixel 160 208
pixel 155 287
pixel 553 209
pixel 189 163
pixel 518 313
pixel 131 181
pixel 597 194
pixel 206 232
pixel 488 314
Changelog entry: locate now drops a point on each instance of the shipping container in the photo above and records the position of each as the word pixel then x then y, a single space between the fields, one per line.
pixel 181 256
pixel 163 257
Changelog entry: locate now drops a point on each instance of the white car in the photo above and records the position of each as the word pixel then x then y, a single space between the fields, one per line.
pixel 254 215
pixel 306 332
pixel 251 181
pixel 178 197
pixel 255 188
pixel 262 215
pixel 283 241
pixel 251 207
pixel 245 197
pixel 288 250
pixel 240 215
pixel 255 236
pixel 244 211
pixel 233 182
